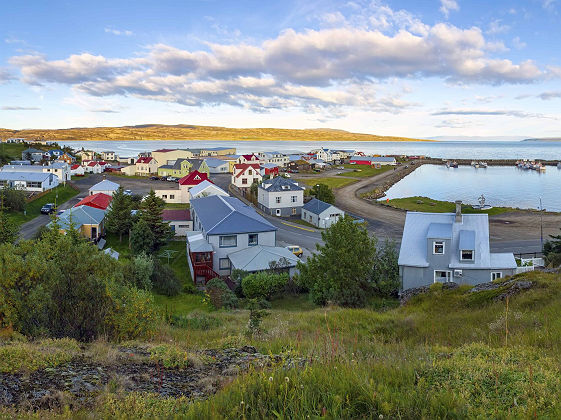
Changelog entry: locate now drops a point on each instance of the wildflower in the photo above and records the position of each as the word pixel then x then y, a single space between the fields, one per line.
pixel 270 379
pixel 287 379
pixel 381 416
pixel 241 403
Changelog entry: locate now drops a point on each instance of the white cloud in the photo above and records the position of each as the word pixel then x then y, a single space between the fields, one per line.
pixel 118 32
pixel 19 108
pixel 497 27
pixel 518 43
pixel 446 6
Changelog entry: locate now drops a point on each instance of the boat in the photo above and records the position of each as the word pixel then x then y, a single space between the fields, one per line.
pixel 474 164
pixel 559 165
pixel 454 165
pixel 483 164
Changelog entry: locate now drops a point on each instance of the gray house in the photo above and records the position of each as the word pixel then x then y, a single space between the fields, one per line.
pixel 321 214
pixel 280 197
pixel 448 247
pixel 34 155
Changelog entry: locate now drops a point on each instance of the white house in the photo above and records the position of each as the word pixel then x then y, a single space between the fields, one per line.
pixel 77 170
pixel 217 166
pixel 108 155
pixel 146 166
pixel 60 169
pixel 321 214
pixel 280 197
pixel 252 158
pixel 206 189
pixel 279 159
pixel 246 174
pixel 92 167
pixel 28 181
pixel 105 187
pixel 179 221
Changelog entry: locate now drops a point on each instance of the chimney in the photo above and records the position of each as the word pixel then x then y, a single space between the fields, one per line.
pixel 458 211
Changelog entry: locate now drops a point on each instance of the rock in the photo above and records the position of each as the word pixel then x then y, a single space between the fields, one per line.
pixel 517 287
pixel 409 293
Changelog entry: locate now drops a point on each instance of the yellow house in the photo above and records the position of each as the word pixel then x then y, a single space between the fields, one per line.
pixel 89 221
pixel 168 156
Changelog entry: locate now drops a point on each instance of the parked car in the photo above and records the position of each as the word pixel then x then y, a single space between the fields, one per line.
pixel 48 208
pixel 296 250
pixel 154 178
pixel 171 179
pixel 127 192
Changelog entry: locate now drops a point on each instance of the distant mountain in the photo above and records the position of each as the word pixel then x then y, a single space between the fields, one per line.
pixel 478 138
pixel 544 139
pixel 194 132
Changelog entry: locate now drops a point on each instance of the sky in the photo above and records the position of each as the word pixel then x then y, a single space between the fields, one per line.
pixel 417 68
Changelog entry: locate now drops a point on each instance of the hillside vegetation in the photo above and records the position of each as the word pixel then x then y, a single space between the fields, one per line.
pixel 193 132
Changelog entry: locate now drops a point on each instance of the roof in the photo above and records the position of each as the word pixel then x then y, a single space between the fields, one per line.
pixel 32 150
pixel 259 257
pixel 194 178
pixel 242 167
pixel 163 150
pixel 280 184
pixel 197 243
pixel 75 167
pixel 25 176
pixel 176 215
pixel 196 163
pixel 269 165
pixel 316 206
pixel 198 189
pixel 145 159
pixel 105 185
pixel 251 156
pixel 112 253
pixel 79 216
pixel 93 163
pixel 374 158
pixel 98 201
pixel 472 231
pixel 215 163
pixel 227 215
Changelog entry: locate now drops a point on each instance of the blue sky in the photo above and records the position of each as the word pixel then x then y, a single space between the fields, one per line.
pixel 412 68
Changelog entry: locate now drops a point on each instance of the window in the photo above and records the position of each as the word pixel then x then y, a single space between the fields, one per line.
pixel 442 276
pixel 224 264
pixel 253 239
pixel 496 275
pixel 466 255
pixel 277 200
pixel 172 197
pixel 244 181
pixel 183 226
pixel 278 212
pixel 250 172
pixel 294 211
pixel 294 198
pixel 164 196
pixel 438 248
pixel 228 241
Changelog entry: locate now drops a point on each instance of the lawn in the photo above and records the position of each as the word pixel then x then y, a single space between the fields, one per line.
pixel 425 204
pixel 332 182
pixel 11 151
pixel 177 206
pixel 365 171
pixel 33 208
pixel 301 222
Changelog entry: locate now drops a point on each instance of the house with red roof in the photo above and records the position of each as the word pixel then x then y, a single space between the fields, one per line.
pixel 246 174
pixel 146 166
pixel 252 158
pixel 97 201
pixel 181 194
pixel 179 221
pixel 92 166
pixel 77 170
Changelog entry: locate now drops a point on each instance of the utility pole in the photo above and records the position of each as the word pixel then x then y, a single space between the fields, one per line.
pixel 541 224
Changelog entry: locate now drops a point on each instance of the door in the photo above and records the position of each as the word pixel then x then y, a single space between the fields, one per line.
pixel 94 232
pixel 278 212
pixel 441 276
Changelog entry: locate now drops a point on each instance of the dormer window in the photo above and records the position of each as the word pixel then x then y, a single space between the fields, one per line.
pixel 466 255
pixel 438 248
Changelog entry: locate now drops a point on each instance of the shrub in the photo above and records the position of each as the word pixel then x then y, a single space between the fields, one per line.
pixel 165 281
pixel 386 270
pixel 171 357
pixel 30 357
pixel 219 295
pixel 263 284
pixel 142 270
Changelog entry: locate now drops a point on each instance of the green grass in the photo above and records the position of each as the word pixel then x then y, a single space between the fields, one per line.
pixel 365 171
pixel 332 182
pixel 47 353
pixel 11 151
pixel 181 304
pixel 178 206
pixel 301 222
pixel 33 208
pixel 426 204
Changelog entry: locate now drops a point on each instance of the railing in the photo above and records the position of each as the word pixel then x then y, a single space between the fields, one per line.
pixel 204 270
pixel 525 269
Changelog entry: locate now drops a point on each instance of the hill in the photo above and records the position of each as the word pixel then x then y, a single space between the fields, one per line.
pixel 552 139
pixel 193 132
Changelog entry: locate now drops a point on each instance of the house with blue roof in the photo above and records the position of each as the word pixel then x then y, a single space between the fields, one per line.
pixel 89 221
pixel 449 247
pixel 280 196
pixel 217 166
pixel 223 225
pixel 321 214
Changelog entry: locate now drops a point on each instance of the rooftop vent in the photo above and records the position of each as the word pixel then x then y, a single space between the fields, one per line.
pixel 459 211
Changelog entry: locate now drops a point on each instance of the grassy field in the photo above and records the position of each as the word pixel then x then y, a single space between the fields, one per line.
pixel 195 132
pixel 426 204
pixel 33 208
pixel 364 171
pixel 301 222
pixel 177 206
pixel 11 151
pixel 332 182
pixel 446 354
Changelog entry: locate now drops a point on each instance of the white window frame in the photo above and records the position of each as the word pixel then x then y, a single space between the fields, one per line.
pixel 443 248
pixel 494 275
pixel 467 259
pixel 278 212
pixel 294 198
pixel 227 236
pixel 221 260
pixel 249 243
pixel 277 200
pixel 448 276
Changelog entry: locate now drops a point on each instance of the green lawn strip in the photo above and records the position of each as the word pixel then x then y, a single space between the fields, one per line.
pixel 331 182
pixel 181 304
pixel 122 175
pixel 425 204
pixel 177 206
pixel 33 208
pixel 364 171
pixel 12 151
pixel 301 222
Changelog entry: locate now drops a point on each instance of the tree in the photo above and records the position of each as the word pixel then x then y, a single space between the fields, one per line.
pixel 323 192
pixel 12 198
pixel 142 238
pixel 386 270
pixel 165 281
pixel 341 270
pixel 118 219
pixel 263 284
pixel 151 213
pixel 8 229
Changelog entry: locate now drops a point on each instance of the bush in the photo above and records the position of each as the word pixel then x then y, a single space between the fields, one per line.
pixel 219 295
pixel 165 281
pixel 12 199
pixel 142 267
pixel 386 270
pixel 264 284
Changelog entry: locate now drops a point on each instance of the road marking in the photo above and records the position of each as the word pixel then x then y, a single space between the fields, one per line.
pixel 298 227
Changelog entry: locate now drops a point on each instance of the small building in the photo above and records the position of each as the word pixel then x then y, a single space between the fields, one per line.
pixel 89 221
pixel 181 194
pixel 269 169
pixel 29 181
pixel 246 174
pixel 77 170
pixel 199 165
pixel 92 167
pixel 169 156
pixel 146 166
pixel 126 160
pixel 372 160
pixel 321 214
pixel 54 153
pixel 217 166
pixel 107 155
pixel 99 201
pixel 177 169
pixel 106 187
pixel 252 158
pixel 67 158
pixel 260 258
pixel 34 155
pixel 60 169
pixel 300 165
pixel 86 155
pixel 205 189
pixel 449 247
pixel 179 221
pixel 280 197
pixel 129 170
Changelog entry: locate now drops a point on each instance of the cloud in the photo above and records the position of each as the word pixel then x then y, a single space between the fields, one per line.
pixel 518 43
pixel 548 4
pixel 479 112
pixel 497 27
pixel 5 76
pixel 546 96
pixel 446 6
pixel 19 108
pixel 105 111
pixel 118 32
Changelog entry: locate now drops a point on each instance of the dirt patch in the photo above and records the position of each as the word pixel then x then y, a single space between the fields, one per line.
pixel 81 380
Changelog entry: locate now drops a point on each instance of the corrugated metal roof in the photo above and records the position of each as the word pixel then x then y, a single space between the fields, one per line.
pixel 467 240
pixel 176 215
pixel 197 242
pixel 82 215
pixel 215 163
pixel 227 215
pixel 279 184
pixel 440 231
pixel 316 206
pixel 26 176
pixel 259 257
pixel 105 185
pixel 205 185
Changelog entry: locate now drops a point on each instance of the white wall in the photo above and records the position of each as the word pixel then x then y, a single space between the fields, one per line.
pixel 268 199
pixel 181 227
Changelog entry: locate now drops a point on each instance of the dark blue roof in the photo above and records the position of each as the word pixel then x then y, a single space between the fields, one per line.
pixel 280 183
pixel 316 206
pixel 221 215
